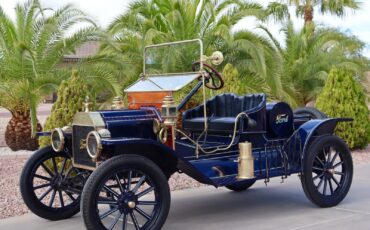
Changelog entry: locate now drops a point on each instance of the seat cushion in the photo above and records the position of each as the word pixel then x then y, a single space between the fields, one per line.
pixel 195 124
pixel 220 124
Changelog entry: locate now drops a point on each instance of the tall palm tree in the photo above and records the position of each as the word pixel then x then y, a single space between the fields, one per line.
pixel 309 54
pixel 31 48
pixel 305 8
pixel 154 21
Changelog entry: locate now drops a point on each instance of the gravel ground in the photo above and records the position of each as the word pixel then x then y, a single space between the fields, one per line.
pixel 11 202
pixel 361 156
pixel 11 164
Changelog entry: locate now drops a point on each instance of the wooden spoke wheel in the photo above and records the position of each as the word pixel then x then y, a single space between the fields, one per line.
pixel 50 185
pixel 327 171
pixel 126 192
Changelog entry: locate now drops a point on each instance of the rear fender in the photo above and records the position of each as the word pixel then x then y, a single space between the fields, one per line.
pixel 166 158
pixel 312 129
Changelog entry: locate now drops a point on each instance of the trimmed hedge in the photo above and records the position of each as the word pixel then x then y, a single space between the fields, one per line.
pixel 233 83
pixel 343 96
pixel 71 96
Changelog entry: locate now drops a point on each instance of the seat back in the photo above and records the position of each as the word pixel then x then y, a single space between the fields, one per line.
pixel 230 105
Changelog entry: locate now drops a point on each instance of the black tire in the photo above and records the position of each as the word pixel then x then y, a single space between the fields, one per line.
pixel 312 112
pixel 35 173
pixel 240 187
pixel 327 171
pixel 114 176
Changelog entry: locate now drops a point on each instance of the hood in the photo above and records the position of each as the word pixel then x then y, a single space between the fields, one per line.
pixel 121 123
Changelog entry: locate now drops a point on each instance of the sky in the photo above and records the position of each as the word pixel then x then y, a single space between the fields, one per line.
pixel 104 11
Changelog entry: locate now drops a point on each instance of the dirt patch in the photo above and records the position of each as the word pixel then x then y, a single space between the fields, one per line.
pixel 361 156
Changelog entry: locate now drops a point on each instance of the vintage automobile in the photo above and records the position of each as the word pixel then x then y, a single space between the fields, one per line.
pixel 115 164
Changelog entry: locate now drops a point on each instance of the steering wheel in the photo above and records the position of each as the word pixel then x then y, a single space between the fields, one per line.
pixel 213 77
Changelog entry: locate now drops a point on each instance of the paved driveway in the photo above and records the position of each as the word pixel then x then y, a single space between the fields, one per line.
pixel 277 206
pixel 42 110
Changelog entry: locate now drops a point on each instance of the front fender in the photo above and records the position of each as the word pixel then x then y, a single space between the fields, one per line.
pixel 43 134
pixel 161 154
pixel 314 128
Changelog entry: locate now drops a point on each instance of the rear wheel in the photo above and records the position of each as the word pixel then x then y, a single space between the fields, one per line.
pixel 140 195
pixel 327 171
pixel 241 186
pixel 50 186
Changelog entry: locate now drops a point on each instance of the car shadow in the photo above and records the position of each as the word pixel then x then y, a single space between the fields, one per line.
pixel 259 199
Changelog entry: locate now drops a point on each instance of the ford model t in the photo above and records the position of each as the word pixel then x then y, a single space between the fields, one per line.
pixel 115 164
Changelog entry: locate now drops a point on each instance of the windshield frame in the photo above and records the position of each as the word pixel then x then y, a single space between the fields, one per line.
pixel 197 40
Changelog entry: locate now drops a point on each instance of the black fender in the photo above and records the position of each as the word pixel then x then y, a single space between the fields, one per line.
pixel 43 134
pixel 315 128
pixel 166 158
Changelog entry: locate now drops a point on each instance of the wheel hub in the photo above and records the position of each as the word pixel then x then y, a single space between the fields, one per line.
pixel 127 202
pixel 56 181
pixel 331 171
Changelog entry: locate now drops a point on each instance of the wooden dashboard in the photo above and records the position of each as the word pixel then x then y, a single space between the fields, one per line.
pixel 140 99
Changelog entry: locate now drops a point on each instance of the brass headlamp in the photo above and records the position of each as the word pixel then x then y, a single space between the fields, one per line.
pixel 118 103
pixel 169 111
pixel 57 140
pixel 169 114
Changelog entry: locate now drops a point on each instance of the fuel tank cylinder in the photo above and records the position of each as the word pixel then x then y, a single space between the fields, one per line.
pixel 279 120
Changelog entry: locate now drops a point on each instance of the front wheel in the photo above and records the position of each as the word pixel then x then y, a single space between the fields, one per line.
pixel 327 171
pixel 140 195
pixel 50 186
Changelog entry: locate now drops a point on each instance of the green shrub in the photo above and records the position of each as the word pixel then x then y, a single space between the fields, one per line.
pixel 233 83
pixel 71 96
pixel 343 96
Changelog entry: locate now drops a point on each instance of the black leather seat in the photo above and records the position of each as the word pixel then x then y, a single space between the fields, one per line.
pixel 222 111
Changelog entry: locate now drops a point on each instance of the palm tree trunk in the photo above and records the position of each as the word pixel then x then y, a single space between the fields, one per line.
pixel 308 14
pixel 18 132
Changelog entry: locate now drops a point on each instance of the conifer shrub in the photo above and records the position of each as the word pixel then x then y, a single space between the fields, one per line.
pixel 233 83
pixel 343 96
pixel 71 96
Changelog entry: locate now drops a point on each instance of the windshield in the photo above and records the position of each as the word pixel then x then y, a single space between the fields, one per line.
pixel 168 66
pixel 172 58
pixel 162 83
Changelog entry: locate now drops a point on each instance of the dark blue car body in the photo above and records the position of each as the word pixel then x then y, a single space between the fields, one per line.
pixel 274 155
